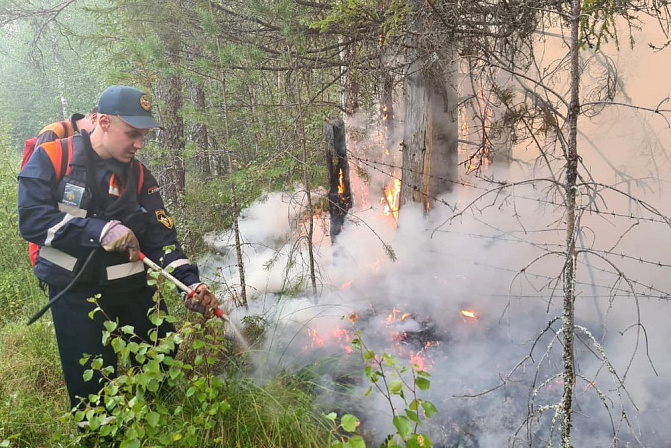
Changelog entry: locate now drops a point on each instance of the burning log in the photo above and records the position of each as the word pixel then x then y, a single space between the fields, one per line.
pixel 340 194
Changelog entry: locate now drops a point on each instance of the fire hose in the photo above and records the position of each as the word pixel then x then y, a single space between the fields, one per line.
pixel 218 312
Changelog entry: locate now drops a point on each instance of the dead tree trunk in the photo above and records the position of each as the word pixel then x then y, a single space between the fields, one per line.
pixel 340 193
pixel 430 136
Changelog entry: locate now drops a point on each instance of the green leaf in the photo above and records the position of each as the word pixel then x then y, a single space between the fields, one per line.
pixel 153 419
pixel 356 442
pixel 429 409
pixel 412 415
pixel 418 441
pixel 132 443
pixel 349 423
pixel 402 425
pixel 395 387
pixel 88 375
pixel 118 344
pixel 388 360
pixel 110 326
pixel 368 355
pixel 128 329
pixel 422 383
pixel 331 416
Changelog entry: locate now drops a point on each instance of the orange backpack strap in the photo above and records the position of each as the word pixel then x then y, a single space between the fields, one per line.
pixel 59 152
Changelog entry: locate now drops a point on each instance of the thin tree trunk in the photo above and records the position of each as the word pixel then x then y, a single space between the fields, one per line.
pixel 306 181
pixel 201 136
pixel 234 196
pixel 59 72
pixel 570 265
pixel 173 124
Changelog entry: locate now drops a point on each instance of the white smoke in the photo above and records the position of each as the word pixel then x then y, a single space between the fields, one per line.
pixel 501 259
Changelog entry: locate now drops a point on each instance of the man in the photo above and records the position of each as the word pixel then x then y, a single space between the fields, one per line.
pixel 108 204
pixel 61 129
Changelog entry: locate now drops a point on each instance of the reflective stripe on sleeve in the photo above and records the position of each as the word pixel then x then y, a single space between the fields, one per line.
pixel 72 210
pixel 51 233
pixel 124 270
pixel 177 263
pixel 59 258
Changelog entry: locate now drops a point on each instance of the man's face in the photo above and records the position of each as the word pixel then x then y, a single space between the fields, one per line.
pixel 121 140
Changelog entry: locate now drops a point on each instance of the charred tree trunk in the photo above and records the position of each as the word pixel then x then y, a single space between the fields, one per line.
pixel 387 107
pixel 340 193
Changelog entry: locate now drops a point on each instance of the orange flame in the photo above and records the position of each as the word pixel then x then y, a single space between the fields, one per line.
pixel 469 313
pixel 390 199
pixel 341 184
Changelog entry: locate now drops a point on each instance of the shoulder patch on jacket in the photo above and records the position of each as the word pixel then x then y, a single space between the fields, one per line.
pixel 152 190
pixel 163 218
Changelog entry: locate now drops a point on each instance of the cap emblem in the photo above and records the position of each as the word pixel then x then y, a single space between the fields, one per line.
pixel 145 103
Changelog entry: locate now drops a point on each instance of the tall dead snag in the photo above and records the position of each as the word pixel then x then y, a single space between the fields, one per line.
pixel 571 190
pixel 340 194
pixel 430 135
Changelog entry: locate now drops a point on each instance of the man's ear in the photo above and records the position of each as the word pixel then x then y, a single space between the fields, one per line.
pixel 104 121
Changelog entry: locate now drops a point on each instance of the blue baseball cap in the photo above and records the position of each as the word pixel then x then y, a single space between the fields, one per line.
pixel 130 104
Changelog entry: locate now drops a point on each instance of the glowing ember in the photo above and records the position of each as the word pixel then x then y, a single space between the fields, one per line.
pixel 353 318
pixel 469 313
pixel 392 316
pixel 346 285
pixel 317 341
pixel 390 199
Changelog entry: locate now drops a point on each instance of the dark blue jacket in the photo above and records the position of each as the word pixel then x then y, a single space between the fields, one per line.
pixel 67 218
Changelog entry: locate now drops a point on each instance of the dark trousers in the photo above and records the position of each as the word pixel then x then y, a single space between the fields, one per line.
pixel 78 334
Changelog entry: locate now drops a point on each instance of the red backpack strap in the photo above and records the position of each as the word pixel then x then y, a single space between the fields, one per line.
pixel 140 177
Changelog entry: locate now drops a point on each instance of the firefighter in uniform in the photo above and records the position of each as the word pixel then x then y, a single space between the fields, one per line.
pixel 107 203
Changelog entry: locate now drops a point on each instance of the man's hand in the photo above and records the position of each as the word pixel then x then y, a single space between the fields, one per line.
pixel 118 238
pixel 203 301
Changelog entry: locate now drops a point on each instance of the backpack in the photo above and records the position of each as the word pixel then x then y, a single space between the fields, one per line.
pixel 62 129
pixel 60 153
